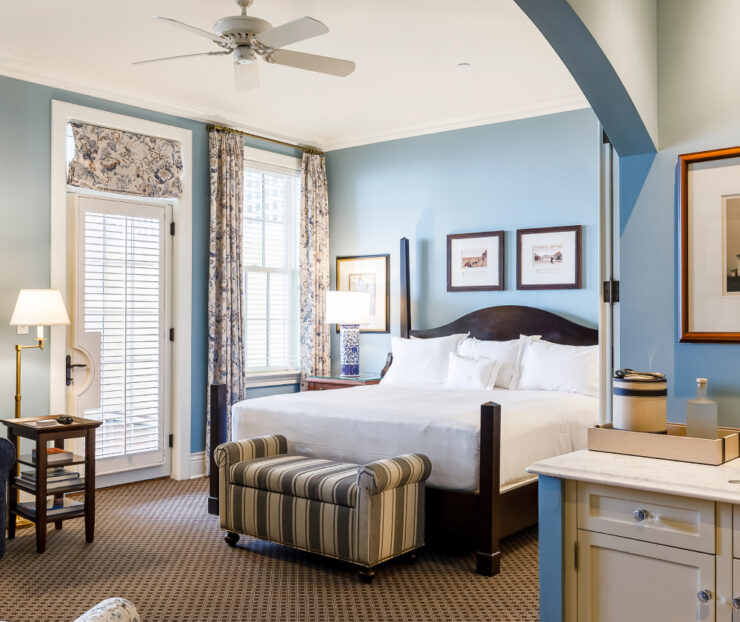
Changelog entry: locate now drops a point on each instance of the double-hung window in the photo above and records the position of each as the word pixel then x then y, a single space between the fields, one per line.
pixel 270 261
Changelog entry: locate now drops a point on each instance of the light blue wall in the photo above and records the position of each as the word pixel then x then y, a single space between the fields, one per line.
pixel 25 160
pixel 534 172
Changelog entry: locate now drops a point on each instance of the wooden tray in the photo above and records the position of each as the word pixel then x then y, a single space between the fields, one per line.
pixel 674 445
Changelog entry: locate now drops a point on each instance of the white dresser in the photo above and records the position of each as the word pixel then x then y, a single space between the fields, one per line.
pixel 642 540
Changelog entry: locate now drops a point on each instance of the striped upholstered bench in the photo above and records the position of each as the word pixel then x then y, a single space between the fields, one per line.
pixel 360 514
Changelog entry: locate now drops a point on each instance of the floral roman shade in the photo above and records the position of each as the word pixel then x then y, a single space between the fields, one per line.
pixel 124 162
pixel 314 269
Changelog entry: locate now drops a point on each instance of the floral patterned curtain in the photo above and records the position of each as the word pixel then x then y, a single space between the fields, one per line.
pixel 125 162
pixel 314 267
pixel 225 296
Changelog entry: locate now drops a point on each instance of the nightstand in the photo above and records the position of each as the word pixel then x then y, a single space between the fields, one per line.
pixel 37 511
pixel 337 381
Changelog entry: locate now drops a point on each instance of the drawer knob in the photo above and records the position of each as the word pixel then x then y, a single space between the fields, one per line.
pixel 736 604
pixel 640 515
pixel 705 596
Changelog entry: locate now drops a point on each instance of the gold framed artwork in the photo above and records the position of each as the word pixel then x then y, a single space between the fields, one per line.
pixel 710 246
pixel 369 274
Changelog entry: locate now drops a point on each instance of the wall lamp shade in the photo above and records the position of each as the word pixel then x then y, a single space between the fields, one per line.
pixel 347 308
pixel 39 307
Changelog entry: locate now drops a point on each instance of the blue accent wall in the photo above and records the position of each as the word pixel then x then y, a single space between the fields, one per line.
pixel 535 172
pixel 25 161
pixel 551 532
pixel 650 289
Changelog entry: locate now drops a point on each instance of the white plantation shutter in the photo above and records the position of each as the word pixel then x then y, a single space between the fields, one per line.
pixel 122 299
pixel 270 264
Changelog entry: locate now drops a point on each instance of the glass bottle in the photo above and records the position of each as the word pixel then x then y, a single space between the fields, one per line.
pixel 701 413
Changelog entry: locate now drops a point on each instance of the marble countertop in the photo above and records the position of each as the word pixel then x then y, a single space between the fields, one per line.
pixel 716 483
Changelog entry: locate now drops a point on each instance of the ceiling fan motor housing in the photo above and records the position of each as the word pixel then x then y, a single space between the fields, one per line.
pixel 240 28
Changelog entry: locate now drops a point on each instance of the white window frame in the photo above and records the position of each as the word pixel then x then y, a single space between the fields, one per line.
pixel 183 466
pixel 268 159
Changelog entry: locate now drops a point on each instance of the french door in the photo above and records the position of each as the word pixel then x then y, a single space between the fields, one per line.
pixel 118 283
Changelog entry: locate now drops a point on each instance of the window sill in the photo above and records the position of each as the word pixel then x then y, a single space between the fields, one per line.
pixel 258 379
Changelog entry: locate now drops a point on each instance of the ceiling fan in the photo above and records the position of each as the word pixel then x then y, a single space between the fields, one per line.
pixel 248 37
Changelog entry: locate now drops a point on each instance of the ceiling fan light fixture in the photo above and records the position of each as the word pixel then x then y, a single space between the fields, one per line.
pixel 244 55
pixel 464 66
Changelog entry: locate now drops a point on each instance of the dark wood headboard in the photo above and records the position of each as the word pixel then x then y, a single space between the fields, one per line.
pixel 509 321
pixel 496 323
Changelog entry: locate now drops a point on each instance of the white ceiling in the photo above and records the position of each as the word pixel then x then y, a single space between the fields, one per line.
pixel 407 81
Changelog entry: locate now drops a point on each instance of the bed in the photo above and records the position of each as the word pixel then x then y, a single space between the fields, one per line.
pixel 478 491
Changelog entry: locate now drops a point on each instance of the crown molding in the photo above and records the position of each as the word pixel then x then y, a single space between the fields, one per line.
pixel 14 67
pixel 499 115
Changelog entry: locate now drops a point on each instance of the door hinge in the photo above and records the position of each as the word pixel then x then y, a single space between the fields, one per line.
pixel 171 440
pixel 172 228
pixel 172 334
pixel 575 554
pixel 611 291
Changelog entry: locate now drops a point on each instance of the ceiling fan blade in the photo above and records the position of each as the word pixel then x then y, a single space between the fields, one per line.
pixel 198 31
pixel 311 62
pixel 246 76
pixel 292 32
pixel 156 60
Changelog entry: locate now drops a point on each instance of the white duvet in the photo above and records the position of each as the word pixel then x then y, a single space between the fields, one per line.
pixel 362 424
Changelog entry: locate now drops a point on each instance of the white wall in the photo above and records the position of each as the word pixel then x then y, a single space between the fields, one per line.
pixel 626 30
pixel 699 63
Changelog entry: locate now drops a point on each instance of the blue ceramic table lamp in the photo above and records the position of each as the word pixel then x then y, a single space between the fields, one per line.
pixel 349 310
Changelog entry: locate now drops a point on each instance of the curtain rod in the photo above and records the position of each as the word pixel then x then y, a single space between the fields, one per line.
pixel 222 128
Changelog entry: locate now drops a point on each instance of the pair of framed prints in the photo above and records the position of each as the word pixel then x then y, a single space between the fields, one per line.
pixel 546 258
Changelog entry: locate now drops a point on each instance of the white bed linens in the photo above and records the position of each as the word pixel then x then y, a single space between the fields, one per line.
pixel 362 424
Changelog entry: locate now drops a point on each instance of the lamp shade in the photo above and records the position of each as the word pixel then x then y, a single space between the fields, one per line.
pixel 347 308
pixel 39 307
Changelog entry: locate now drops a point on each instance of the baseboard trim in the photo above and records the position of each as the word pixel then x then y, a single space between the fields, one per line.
pixel 197 464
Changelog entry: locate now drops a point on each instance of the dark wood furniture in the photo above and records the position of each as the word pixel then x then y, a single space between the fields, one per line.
pixel 495 515
pixel 455 518
pixel 79 428
pixel 325 383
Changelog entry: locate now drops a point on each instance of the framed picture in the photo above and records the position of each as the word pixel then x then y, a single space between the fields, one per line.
pixel 710 246
pixel 548 258
pixel 370 274
pixel 475 262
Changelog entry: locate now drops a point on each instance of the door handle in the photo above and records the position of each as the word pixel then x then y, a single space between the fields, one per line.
pixel 70 367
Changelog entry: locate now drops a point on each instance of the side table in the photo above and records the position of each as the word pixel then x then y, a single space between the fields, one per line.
pixel 337 381
pixel 26 428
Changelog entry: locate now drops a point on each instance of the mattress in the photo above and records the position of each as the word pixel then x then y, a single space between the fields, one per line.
pixel 365 423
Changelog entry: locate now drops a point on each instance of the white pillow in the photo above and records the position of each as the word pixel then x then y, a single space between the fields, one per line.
pixel 550 366
pixel 509 353
pixel 468 373
pixel 423 361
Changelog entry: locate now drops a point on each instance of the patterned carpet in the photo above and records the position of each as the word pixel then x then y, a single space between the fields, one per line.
pixel 156 545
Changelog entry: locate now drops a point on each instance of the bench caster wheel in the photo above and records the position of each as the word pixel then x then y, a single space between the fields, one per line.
pixel 231 538
pixel 366 575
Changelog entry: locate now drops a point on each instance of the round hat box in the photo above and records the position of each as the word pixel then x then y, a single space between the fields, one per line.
pixel 640 402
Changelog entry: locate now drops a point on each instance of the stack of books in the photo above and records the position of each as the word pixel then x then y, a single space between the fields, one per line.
pixel 54 507
pixel 58 477
pixel 55 454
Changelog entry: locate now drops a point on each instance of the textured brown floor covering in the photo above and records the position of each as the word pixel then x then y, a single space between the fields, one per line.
pixel 156 545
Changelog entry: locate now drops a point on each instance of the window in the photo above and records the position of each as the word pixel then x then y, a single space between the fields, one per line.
pixel 270 261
